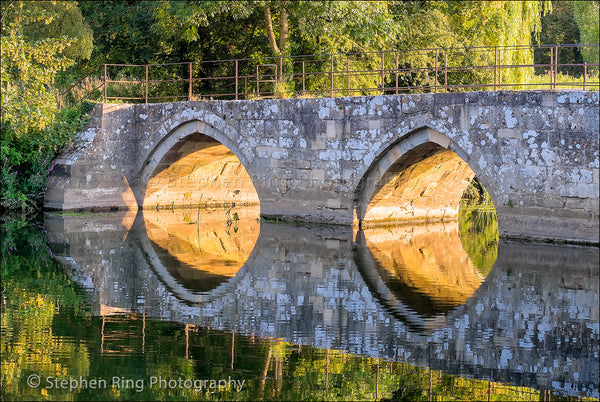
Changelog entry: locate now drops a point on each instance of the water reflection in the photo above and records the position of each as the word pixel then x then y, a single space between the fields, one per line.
pixel 424 266
pixel 478 226
pixel 202 248
pixel 532 322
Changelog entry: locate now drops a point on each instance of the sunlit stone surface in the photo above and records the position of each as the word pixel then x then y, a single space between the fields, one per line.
pixel 199 171
pixel 427 184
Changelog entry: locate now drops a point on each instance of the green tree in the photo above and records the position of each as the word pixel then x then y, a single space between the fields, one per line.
pixel 497 23
pixel 586 14
pixel 282 28
pixel 427 24
pixel 469 24
pixel 66 20
pixel 28 68
pixel 501 23
pixel 34 48
pixel 122 32
pixel 289 27
pixel 559 27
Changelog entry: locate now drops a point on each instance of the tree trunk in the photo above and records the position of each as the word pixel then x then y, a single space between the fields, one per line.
pixel 283 29
pixel 270 34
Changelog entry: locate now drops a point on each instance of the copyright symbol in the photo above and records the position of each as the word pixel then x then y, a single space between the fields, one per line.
pixel 33 381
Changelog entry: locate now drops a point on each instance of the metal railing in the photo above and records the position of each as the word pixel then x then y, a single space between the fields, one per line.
pixel 348 74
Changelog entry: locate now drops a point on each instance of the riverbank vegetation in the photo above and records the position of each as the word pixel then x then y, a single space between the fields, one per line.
pixel 48 46
pixel 40 40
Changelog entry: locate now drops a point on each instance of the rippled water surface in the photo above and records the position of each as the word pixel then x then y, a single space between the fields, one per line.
pixel 214 304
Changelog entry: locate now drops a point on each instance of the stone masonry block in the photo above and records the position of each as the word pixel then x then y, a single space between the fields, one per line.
pixel 331 130
pixel 317 144
pixel 333 203
pixel 374 124
pixel 438 138
pixel 592 205
pixel 319 175
pixel 588 190
pixel 509 133
pixel 575 203
pixel 417 103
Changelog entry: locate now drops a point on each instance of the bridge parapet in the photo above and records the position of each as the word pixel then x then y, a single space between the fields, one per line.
pixel 536 152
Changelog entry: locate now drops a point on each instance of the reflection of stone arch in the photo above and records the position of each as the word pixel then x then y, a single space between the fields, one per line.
pixel 366 267
pixel 186 138
pixel 180 291
pixel 425 279
pixel 398 157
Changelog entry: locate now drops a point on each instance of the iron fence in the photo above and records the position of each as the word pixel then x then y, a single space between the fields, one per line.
pixel 348 74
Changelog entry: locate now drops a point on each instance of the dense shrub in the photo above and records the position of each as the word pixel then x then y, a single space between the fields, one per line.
pixel 26 160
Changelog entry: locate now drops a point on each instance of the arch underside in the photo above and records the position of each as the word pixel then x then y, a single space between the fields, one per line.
pixel 199 171
pixel 417 179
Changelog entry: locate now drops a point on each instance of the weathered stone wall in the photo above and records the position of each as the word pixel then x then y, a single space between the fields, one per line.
pixel 323 160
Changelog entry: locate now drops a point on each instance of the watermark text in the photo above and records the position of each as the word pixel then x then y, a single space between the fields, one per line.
pixel 137 384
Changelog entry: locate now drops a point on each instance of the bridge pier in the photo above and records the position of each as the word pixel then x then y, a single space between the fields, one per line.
pixel 325 160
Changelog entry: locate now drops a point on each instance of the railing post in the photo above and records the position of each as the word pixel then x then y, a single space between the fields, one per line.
pixel 190 81
pixel 445 72
pixel 584 74
pixel 435 82
pixel 495 67
pixel 236 78
pixel 105 83
pixel 331 77
pixel 347 75
pixel 555 66
pixel 303 78
pixel 396 73
pixel 551 71
pixel 280 77
pixel 257 82
pixel 500 69
pixel 382 72
pixel 146 85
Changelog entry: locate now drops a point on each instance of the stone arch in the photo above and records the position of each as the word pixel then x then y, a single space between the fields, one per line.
pixel 180 140
pixel 407 150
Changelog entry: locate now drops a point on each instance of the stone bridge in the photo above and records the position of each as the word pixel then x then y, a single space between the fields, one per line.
pixel 348 160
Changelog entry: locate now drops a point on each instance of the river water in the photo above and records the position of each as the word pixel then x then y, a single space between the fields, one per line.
pixel 215 304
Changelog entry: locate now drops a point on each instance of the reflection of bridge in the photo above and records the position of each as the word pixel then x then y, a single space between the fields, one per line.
pixel 532 322
pixel 330 159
